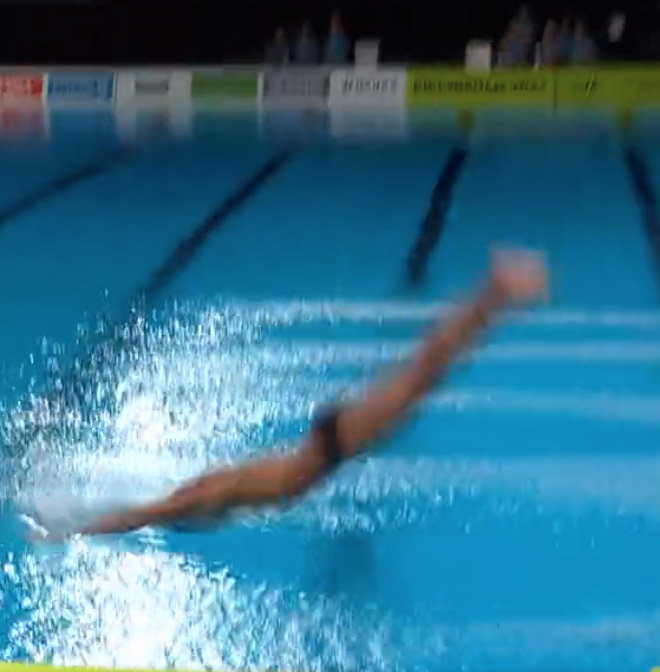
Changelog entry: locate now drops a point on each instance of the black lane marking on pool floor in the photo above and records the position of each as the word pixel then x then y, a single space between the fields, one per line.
pixel 78 385
pixel 59 185
pixel 648 200
pixel 184 253
pixel 433 223
pixel 115 334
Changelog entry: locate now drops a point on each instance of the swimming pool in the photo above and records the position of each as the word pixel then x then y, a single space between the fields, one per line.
pixel 512 525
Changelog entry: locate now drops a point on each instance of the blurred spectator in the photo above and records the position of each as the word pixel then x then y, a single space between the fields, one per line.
pixel 307 47
pixel 584 47
pixel 337 45
pixel 515 47
pixel 616 26
pixel 623 41
pixel 277 50
pixel 564 46
pixel 526 23
pixel 649 34
pixel 549 53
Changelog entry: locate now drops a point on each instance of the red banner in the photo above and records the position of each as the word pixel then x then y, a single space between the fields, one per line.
pixel 21 87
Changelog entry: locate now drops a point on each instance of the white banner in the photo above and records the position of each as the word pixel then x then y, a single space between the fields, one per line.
pixel 368 86
pixel 153 87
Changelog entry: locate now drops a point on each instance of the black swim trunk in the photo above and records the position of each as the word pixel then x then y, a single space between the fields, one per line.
pixel 325 425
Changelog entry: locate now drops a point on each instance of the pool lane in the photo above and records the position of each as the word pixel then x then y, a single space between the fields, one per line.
pixel 64 253
pixel 567 192
pixel 28 163
pixel 575 550
pixel 338 222
pixel 644 142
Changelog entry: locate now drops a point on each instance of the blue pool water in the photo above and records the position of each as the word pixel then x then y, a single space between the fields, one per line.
pixel 513 524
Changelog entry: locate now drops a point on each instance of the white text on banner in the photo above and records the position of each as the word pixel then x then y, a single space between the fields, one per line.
pixel 368 86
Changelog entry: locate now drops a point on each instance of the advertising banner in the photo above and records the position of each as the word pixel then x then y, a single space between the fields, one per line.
pixel 619 86
pixel 155 84
pixel 297 87
pixel 456 87
pixel 223 84
pixel 81 87
pixel 21 88
pixel 368 86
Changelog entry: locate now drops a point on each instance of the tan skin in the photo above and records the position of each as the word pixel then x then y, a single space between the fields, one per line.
pixel 515 278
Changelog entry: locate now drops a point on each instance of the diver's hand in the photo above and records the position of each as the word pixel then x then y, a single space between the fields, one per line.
pixel 37 532
pixel 519 276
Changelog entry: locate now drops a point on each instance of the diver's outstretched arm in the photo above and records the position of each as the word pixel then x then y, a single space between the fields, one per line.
pixel 516 277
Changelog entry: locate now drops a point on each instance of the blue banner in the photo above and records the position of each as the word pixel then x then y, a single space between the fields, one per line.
pixel 81 87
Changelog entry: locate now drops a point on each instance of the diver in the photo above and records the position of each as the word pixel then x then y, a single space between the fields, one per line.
pixel 342 431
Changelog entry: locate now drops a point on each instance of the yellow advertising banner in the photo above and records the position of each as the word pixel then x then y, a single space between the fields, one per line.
pixel 619 86
pixel 448 86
